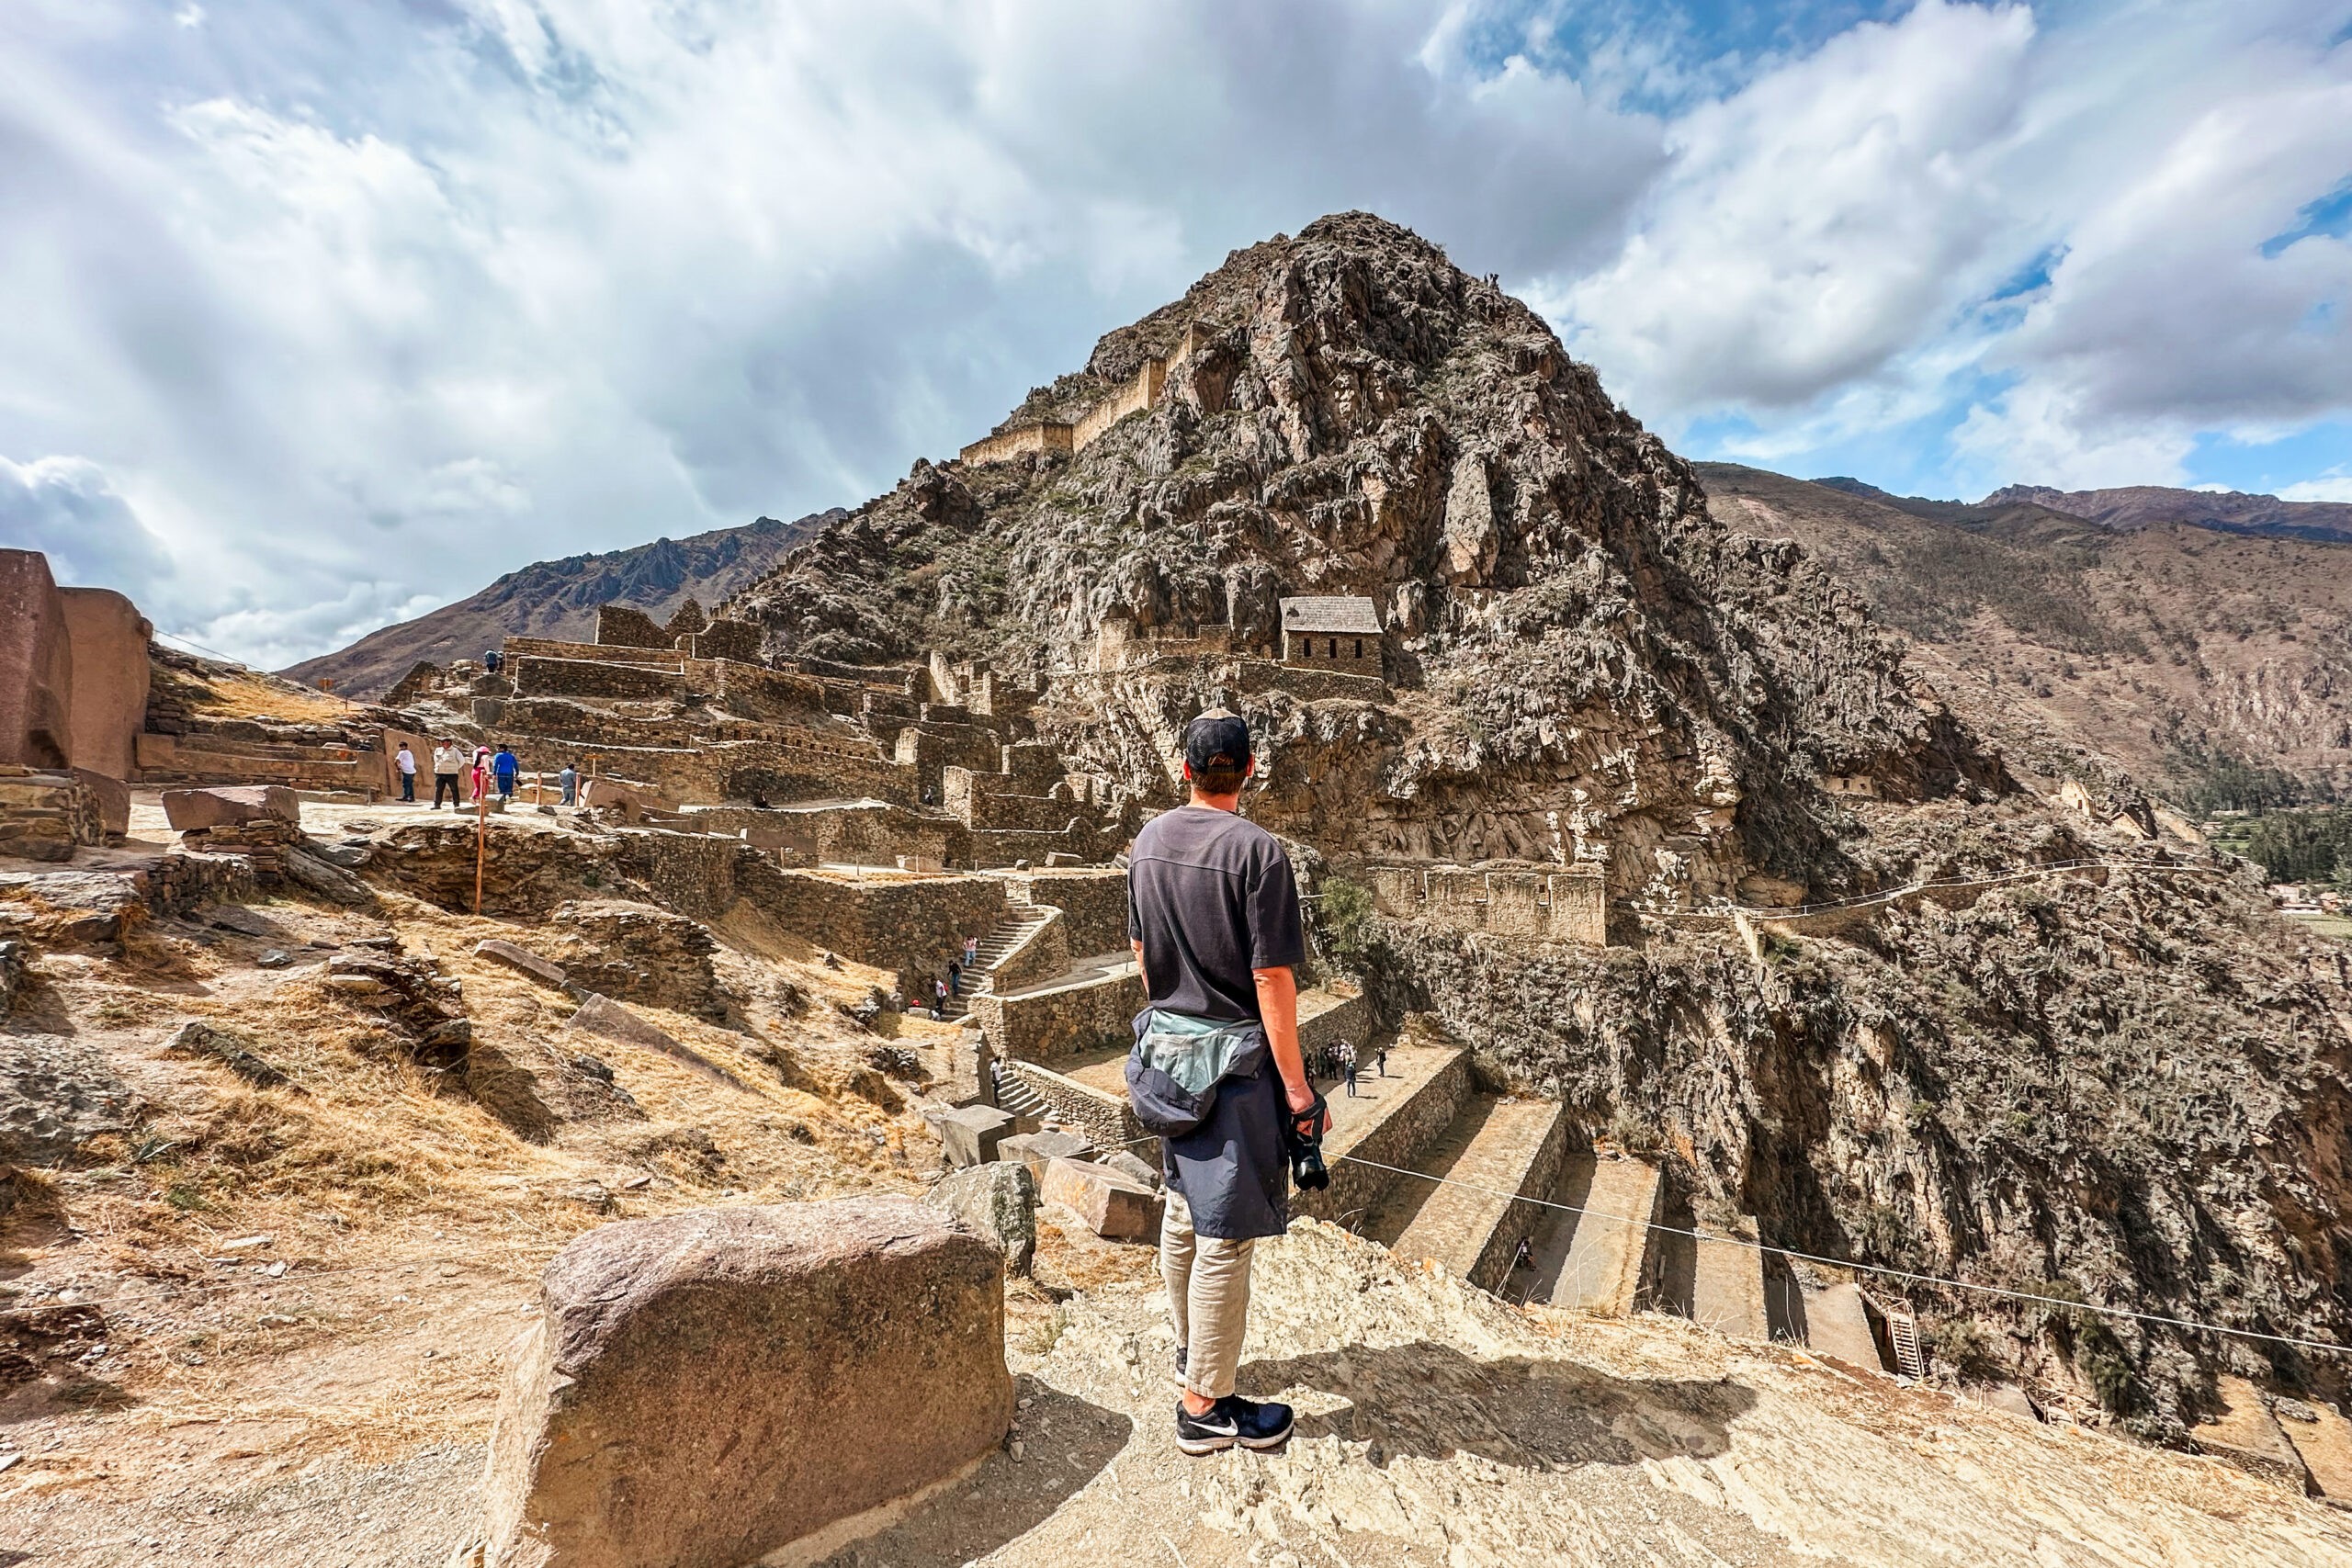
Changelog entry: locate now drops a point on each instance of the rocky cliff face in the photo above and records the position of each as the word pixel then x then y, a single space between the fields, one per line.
pixel 2136 1093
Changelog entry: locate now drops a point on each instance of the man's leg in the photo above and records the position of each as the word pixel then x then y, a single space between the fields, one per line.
pixel 1217 1308
pixel 1176 1252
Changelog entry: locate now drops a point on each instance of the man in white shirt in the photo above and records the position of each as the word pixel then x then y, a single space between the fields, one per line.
pixel 447 762
pixel 405 760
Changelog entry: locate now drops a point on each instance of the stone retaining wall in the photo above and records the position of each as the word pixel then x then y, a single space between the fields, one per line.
pixel 1102 1119
pixel 1396 1139
pixel 537 677
pixel 1061 1020
pixel 1535 1179
pixel 1043 956
pixel 1093 902
pixel 1332 1017
pixel 517 647
pixel 910 926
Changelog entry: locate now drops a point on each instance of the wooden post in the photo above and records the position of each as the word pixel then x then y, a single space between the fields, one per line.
pixel 481 842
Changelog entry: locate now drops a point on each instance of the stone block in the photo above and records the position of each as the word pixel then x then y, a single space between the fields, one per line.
pixel 712 1388
pixel 110 678
pixel 973 1134
pixel 999 1201
pixel 606 1019
pixel 231 806
pixel 523 960
pixel 1113 1206
pixel 36 665
pixel 1037 1150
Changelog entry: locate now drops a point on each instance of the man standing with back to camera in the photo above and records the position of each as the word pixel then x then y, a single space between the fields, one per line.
pixel 1213 914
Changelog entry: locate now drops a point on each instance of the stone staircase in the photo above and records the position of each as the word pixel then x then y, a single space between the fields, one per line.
pixel 1016 1099
pixel 1003 939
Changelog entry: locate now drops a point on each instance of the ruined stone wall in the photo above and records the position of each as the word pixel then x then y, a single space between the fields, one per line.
pixel 1335 1018
pixel 516 647
pixel 1566 906
pixel 694 874
pixel 624 626
pixel 1138 395
pixel 1355 653
pixel 1093 902
pixel 570 724
pixel 1309 682
pixel 45 816
pixel 754 691
pixel 1043 956
pixel 990 800
pixel 597 678
pixel 910 925
pixel 1029 439
pixel 215 758
pixel 735 640
pixel 1045 1025
pixel 865 836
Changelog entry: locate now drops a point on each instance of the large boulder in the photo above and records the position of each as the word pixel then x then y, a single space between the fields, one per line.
pixel 1038 1150
pixel 998 1199
pixel 706 1389
pixel 191 810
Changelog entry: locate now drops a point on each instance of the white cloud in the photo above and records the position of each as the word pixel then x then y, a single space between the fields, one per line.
pixel 350 309
pixel 2334 485
pixel 1817 222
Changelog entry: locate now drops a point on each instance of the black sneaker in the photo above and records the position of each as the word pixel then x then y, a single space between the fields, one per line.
pixel 1177 1377
pixel 1231 1420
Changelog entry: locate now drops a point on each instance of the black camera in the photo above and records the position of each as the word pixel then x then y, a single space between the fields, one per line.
pixel 1303 1139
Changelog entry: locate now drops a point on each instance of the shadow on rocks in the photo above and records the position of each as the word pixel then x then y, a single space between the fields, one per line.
pixel 1065 1443
pixel 1432 1401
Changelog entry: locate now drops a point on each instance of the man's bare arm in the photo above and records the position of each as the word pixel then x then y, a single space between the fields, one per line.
pixel 1278 1010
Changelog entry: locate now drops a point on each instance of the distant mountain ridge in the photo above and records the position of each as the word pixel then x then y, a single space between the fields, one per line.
pixel 559 599
pixel 2212 660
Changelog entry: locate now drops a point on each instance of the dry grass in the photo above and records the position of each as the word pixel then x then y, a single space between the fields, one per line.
pixel 246 695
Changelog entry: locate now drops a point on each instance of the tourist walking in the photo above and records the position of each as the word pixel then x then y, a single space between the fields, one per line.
pixel 503 767
pixel 1216 1072
pixel 1380 1060
pixel 479 774
pixel 939 997
pixel 954 978
pixel 404 763
pixel 570 780
pixel 971 952
pixel 1348 1067
pixel 447 762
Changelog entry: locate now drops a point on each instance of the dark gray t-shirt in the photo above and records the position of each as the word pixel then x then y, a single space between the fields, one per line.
pixel 1211 897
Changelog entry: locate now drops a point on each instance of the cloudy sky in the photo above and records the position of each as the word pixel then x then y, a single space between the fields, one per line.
pixel 318 315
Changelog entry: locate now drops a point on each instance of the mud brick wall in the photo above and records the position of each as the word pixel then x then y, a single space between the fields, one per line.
pixel 1398 1139
pixel 1093 902
pixel 910 925
pixel 537 677
pixel 620 626
pixel 1044 1026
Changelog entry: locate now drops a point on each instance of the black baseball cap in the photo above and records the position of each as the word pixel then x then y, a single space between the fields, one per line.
pixel 1216 740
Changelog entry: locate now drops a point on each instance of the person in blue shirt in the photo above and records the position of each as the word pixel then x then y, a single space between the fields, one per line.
pixel 504 766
